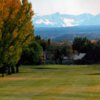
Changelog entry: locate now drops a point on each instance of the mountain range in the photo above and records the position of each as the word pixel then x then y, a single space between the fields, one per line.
pixel 62 27
pixel 69 33
pixel 66 20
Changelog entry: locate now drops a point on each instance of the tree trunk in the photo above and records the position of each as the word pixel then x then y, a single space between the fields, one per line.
pixel 9 70
pixel 12 69
pixel 3 71
pixel 17 69
pixel 2 74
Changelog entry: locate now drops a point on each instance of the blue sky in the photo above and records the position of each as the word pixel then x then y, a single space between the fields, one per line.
pixel 44 7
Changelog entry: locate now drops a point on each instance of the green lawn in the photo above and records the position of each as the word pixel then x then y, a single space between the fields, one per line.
pixel 52 82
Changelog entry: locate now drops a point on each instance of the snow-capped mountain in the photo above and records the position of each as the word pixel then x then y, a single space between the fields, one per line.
pixel 65 20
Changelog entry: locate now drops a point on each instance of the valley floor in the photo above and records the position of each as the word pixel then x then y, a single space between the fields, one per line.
pixel 52 82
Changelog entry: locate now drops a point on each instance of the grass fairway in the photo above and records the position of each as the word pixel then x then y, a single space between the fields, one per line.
pixel 52 82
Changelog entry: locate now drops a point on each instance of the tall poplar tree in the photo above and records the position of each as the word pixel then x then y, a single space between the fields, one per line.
pixel 16 30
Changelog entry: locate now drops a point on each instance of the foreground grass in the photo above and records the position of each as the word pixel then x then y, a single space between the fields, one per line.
pixel 52 82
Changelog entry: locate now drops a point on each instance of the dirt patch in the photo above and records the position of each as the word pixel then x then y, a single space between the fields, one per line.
pixel 12 78
pixel 93 89
pixel 21 78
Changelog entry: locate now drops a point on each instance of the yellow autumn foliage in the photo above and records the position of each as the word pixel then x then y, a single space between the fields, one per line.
pixel 16 29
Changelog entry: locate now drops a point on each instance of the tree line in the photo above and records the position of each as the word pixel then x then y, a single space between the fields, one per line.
pixel 90 47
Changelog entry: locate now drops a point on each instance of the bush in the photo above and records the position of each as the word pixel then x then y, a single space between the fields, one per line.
pixel 32 54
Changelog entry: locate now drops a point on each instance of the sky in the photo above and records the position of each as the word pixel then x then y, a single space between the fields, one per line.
pixel 75 7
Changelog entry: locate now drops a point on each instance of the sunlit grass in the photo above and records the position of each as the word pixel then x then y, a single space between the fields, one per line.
pixel 52 82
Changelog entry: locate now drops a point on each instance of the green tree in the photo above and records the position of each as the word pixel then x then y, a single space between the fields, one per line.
pixel 81 44
pixel 61 51
pixel 32 54
pixel 16 30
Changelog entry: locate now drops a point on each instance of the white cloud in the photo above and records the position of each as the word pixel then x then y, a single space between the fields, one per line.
pixel 68 22
pixel 46 21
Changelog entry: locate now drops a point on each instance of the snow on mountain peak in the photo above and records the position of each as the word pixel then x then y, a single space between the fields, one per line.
pixel 41 21
pixel 68 22
pixel 65 20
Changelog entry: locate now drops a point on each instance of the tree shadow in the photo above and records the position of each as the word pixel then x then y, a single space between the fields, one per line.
pixel 94 74
pixel 41 68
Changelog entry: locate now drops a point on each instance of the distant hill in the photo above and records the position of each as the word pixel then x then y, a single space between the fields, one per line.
pixel 64 20
pixel 70 37
pixel 68 33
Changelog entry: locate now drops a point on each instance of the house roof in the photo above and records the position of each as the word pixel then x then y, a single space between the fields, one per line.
pixel 79 56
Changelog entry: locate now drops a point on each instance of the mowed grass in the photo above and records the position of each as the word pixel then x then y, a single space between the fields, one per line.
pixel 52 82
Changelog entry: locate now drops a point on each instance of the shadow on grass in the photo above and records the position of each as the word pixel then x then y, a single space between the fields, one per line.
pixel 42 68
pixel 94 74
